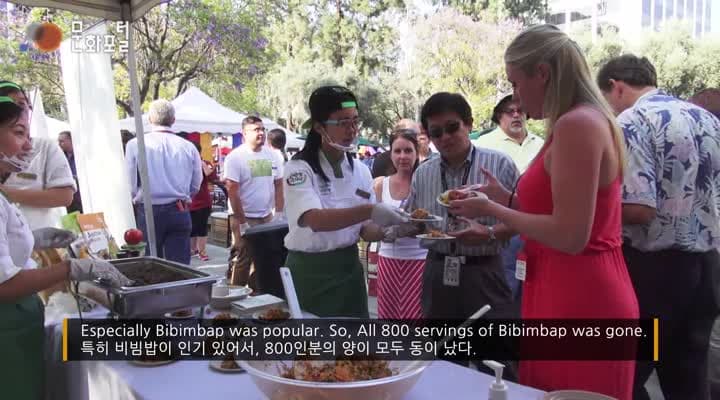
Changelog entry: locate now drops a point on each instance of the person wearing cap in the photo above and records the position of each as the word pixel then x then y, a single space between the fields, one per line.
pixel 329 207
pixel 21 311
pixel 511 135
pixel 44 184
pixel 512 138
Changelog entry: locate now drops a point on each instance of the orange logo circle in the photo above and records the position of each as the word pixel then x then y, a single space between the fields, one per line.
pixel 46 37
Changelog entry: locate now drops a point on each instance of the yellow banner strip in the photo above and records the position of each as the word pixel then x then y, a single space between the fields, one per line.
pixel 656 347
pixel 64 339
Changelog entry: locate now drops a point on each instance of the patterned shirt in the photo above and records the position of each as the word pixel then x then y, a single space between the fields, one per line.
pixel 674 167
pixel 427 186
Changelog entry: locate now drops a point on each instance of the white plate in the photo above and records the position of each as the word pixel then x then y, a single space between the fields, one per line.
pixel 432 218
pixel 256 316
pixel 170 316
pixel 428 237
pixel 236 293
pixel 151 363
pixel 441 203
pixel 576 395
pixel 217 366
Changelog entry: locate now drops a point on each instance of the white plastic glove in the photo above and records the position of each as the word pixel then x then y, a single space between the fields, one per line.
pixel 52 238
pixel 428 244
pixel 279 216
pixel 87 269
pixel 407 229
pixel 387 215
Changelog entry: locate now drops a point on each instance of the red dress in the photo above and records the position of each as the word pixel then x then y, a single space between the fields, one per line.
pixel 593 284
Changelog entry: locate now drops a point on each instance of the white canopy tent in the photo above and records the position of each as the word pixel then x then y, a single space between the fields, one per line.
pixel 195 111
pixel 118 10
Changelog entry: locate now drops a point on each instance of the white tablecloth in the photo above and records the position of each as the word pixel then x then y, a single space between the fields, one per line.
pixel 121 380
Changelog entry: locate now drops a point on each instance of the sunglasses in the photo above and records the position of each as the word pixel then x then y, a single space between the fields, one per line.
pixel 450 127
pixel 513 111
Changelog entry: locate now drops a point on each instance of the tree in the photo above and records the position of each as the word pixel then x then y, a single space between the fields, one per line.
pixel 527 11
pixel 357 32
pixel 213 43
pixel 452 52
pixel 21 63
pixel 684 65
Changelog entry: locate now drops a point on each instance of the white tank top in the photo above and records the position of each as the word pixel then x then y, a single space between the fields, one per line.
pixel 407 248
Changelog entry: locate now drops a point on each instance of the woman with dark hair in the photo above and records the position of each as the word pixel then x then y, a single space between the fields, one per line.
pixel 200 210
pixel 329 208
pixel 401 262
pixel 21 311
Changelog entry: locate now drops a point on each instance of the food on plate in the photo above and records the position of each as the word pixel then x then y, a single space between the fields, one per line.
pixel 229 363
pixel 337 371
pixel 434 233
pixel 274 314
pixel 182 313
pixel 223 316
pixel 420 213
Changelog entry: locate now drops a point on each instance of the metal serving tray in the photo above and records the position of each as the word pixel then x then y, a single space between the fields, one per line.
pixel 151 300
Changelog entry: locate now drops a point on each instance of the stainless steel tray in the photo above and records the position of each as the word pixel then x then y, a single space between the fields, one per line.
pixel 151 300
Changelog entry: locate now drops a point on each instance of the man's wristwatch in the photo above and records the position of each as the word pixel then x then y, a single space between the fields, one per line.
pixel 491 229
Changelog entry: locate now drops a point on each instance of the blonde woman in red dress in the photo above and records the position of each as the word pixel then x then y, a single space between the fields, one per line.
pixel 567 206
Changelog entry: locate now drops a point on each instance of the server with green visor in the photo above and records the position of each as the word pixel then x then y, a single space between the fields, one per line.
pixel 330 205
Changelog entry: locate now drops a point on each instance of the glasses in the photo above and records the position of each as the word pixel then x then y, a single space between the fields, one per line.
pixel 513 111
pixel 450 127
pixel 346 123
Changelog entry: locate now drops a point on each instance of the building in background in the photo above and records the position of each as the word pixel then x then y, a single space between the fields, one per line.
pixel 632 17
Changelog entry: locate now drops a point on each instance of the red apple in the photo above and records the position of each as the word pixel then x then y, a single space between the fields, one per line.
pixel 133 236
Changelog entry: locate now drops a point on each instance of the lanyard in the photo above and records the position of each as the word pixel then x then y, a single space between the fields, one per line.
pixel 466 173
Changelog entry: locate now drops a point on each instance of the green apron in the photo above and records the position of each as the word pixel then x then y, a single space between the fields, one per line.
pixel 331 283
pixel 22 342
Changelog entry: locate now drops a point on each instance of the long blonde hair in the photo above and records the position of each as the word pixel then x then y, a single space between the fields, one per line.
pixel 570 81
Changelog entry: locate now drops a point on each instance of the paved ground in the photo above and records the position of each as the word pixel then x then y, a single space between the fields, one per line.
pixel 217 265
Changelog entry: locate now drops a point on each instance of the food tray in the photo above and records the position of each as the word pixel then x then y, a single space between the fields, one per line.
pixel 173 287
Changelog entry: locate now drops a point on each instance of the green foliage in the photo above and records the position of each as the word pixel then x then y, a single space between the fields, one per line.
pixel 526 11
pixel 684 65
pixel 454 53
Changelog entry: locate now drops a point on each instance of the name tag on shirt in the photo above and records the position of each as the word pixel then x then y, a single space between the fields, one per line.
pixel 451 272
pixel 27 175
pixel 365 195
pixel 520 267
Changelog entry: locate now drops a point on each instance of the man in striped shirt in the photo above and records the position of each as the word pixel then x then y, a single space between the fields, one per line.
pixel 464 274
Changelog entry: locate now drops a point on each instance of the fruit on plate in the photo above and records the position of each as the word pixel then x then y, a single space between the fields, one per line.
pixel 133 236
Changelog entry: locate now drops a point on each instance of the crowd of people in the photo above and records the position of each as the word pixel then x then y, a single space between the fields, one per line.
pixel 615 214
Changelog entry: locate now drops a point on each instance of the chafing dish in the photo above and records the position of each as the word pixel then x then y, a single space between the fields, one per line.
pixel 193 289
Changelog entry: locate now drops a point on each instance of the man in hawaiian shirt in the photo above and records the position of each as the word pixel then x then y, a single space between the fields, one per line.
pixel 671 218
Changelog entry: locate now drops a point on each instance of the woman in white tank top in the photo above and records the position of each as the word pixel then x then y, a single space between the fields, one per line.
pixel 401 263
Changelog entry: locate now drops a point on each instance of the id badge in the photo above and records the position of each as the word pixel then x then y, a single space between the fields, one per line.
pixel 451 272
pixel 521 267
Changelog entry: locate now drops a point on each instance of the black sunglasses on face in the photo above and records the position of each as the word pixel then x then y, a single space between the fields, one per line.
pixel 450 127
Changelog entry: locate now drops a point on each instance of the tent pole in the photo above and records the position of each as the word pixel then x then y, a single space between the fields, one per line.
pixel 140 134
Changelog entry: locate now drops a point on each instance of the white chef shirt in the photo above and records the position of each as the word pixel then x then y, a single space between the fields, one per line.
pixel 255 172
pixel 16 241
pixel 48 169
pixel 305 191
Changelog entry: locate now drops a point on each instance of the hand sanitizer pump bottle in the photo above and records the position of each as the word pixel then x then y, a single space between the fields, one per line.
pixel 498 388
